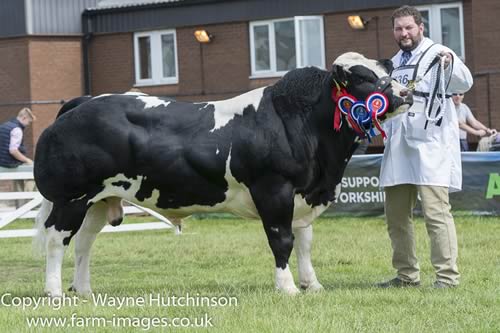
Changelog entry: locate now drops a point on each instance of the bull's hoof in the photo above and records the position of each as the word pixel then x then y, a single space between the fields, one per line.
pixel 312 287
pixel 53 294
pixel 82 292
pixel 289 291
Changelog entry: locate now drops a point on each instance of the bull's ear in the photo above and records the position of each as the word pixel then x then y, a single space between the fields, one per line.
pixel 338 73
pixel 387 64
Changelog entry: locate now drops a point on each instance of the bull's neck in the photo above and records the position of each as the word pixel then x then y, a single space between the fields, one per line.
pixel 329 152
pixel 335 148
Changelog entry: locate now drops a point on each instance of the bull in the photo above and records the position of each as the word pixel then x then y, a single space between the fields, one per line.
pixel 271 154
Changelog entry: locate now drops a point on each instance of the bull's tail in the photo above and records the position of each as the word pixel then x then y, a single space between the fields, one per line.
pixel 39 240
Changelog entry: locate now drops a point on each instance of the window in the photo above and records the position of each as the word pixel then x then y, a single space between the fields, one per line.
pixel 444 25
pixel 278 46
pixel 155 57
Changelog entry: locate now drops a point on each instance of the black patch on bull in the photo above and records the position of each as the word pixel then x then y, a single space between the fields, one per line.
pixel 126 185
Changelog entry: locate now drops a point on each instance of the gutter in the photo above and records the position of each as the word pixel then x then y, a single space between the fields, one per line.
pixel 87 36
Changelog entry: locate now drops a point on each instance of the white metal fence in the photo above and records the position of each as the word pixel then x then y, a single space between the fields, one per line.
pixel 9 214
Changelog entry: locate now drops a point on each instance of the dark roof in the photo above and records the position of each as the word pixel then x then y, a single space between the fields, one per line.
pixel 113 4
pixel 167 14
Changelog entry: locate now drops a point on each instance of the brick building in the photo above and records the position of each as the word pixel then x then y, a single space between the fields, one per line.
pixel 48 55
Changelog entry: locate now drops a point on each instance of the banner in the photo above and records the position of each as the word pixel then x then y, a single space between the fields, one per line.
pixel 361 194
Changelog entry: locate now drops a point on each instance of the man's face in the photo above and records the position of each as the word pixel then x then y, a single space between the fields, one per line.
pixel 407 33
pixel 457 99
pixel 26 121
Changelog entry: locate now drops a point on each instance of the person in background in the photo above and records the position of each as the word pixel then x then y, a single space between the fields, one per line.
pixel 12 150
pixel 422 157
pixel 468 123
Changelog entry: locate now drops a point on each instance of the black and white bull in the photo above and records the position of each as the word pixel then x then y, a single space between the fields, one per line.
pixel 271 154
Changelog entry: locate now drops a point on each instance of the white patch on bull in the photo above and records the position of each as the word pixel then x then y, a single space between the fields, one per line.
pixel 350 59
pixel 111 190
pixel 94 221
pixel 152 101
pixel 302 247
pixel 217 151
pixel 55 255
pixel 225 110
pixel 303 213
pixel 103 95
pixel 79 198
pixel 135 93
pixel 338 189
pixel 284 281
pixel 205 105
pixel 238 200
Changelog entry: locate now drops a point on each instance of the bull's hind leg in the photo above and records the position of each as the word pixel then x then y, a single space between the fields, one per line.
pixel 274 203
pixel 303 243
pixel 63 222
pixel 94 221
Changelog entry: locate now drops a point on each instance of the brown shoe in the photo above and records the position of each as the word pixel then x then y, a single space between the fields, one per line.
pixel 397 283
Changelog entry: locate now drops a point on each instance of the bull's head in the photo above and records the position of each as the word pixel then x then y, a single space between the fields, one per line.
pixel 361 77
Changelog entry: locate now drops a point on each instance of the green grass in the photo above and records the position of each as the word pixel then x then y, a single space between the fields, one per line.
pixel 230 257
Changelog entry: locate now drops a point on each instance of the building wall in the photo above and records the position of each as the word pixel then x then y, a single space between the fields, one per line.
pixel 224 73
pixel 14 73
pixel 482 45
pixel 56 73
pixel 50 68
pixel 226 61
pixel 14 78
pixel 111 63
pixel 38 72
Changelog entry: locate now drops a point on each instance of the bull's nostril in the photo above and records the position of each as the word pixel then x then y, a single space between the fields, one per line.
pixel 404 92
pixel 409 98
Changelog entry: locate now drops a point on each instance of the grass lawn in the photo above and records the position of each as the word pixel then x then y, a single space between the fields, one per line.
pixel 231 258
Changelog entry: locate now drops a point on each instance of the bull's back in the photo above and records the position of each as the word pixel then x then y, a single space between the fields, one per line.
pixel 167 146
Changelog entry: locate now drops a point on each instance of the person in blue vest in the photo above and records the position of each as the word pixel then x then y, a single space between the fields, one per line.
pixel 12 150
pixel 422 152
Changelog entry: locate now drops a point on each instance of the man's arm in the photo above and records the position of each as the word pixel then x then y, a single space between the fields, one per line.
pixel 476 124
pixel 20 156
pixel 471 130
pixel 461 78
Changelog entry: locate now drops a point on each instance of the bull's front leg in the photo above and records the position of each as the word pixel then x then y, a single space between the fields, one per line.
pixel 303 244
pixel 274 202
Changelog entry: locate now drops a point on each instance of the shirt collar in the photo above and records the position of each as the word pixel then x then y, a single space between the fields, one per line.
pixel 424 44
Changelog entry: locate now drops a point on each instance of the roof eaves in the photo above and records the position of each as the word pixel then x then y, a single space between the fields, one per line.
pixel 146 5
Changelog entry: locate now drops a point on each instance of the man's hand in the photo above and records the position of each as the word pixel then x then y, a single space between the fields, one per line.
pixel 29 162
pixel 491 131
pixel 447 58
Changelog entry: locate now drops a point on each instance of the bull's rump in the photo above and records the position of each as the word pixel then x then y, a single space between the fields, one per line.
pixel 170 147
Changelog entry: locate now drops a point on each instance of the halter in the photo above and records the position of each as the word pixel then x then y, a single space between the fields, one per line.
pixel 361 115
pixel 438 87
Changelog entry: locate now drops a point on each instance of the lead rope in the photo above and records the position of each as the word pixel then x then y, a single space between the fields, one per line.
pixel 437 91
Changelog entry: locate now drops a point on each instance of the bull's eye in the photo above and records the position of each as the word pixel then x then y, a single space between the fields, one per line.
pixel 358 80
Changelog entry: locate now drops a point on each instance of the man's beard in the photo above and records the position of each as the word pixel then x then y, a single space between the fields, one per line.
pixel 413 46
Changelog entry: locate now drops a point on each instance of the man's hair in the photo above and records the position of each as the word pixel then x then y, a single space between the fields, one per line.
pixel 407 11
pixel 26 112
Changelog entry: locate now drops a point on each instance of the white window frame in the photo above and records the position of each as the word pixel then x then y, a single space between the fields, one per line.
pixel 435 27
pixel 272 72
pixel 157 77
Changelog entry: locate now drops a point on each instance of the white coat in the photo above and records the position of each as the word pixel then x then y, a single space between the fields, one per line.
pixel 419 154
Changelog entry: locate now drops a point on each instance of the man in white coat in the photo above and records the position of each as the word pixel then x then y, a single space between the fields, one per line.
pixel 422 152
